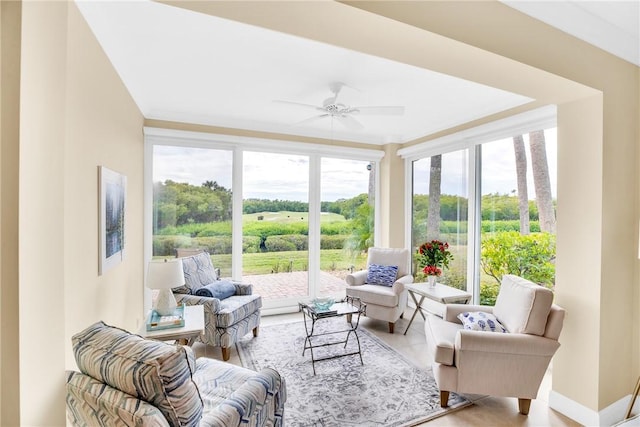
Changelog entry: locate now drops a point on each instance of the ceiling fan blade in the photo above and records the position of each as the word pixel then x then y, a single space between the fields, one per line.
pixel 335 87
pixel 349 122
pixel 310 120
pixel 380 110
pixel 299 104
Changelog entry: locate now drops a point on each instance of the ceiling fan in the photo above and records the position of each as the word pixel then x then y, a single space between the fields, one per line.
pixel 344 113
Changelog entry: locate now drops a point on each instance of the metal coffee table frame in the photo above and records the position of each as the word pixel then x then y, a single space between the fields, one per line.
pixel 348 306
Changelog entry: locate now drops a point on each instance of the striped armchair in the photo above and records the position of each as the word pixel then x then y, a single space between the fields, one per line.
pixel 126 380
pixel 226 320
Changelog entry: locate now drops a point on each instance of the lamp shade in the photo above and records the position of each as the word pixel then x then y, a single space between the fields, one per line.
pixel 165 274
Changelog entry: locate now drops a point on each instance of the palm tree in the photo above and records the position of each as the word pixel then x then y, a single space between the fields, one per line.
pixel 541 181
pixel 521 171
pixel 433 215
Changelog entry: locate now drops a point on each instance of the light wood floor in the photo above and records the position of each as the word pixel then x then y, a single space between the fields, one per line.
pixel 486 411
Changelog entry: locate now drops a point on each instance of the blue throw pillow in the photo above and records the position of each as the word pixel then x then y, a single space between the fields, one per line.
pixel 481 321
pixel 384 275
pixel 220 289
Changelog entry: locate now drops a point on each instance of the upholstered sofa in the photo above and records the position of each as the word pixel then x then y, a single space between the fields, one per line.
pixel 225 320
pixel 126 380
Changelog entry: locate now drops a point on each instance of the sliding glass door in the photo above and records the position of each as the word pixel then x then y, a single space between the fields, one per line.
pixel 346 220
pixel 275 225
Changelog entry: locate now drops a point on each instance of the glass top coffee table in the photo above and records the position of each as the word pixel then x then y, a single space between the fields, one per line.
pixel 349 307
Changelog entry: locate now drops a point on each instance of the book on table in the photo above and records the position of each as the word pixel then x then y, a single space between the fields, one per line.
pixel 156 321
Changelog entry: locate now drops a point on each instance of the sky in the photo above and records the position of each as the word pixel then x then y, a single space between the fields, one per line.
pixel 266 175
pixel 286 176
pixel 498 169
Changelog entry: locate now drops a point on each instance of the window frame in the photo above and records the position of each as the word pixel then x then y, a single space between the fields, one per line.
pixel 238 145
pixel 471 140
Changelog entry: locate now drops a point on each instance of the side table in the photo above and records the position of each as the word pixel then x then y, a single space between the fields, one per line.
pixel 440 293
pixel 192 329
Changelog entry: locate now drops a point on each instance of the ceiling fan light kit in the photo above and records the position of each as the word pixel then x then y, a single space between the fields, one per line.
pixel 343 113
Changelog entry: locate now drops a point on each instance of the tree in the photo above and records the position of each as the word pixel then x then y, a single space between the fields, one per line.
pixel 433 215
pixel 521 171
pixel 541 181
pixel 372 183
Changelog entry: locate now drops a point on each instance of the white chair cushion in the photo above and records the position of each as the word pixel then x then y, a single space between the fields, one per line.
pixel 375 294
pixel 523 306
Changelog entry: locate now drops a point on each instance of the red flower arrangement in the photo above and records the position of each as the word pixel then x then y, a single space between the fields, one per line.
pixel 431 270
pixel 433 256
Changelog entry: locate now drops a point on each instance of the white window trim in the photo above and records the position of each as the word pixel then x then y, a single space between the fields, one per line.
pixel 540 118
pixel 211 140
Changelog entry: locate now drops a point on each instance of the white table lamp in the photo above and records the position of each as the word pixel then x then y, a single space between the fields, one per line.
pixel 165 275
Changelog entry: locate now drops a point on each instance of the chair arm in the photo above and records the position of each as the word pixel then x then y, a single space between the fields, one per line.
pixel 241 405
pixel 356 279
pixel 398 285
pixel 243 288
pixel 91 402
pixel 211 305
pixel 451 311
pixel 513 344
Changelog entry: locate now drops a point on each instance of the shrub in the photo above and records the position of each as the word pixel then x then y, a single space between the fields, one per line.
pixel 166 245
pixel 530 256
pixel 215 244
pixel 332 242
pixel 454 277
pixel 250 244
pixel 279 244
pixel 489 293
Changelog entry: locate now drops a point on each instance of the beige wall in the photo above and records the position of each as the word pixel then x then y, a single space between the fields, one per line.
pixel 75 115
pixel 41 193
pixel 10 19
pixel 392 218
pixel 104 127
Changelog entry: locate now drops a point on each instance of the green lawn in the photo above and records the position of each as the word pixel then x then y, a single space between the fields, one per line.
pixel 268 262
pixel 286 217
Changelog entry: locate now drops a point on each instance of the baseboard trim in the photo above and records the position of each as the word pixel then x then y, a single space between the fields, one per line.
pixel 608 416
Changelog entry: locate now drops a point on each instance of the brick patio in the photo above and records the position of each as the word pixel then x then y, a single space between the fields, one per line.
pixel 284 285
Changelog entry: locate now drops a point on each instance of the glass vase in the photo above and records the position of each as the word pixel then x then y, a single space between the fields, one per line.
pixel 432 281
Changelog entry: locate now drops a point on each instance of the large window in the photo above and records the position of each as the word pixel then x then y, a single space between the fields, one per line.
pixel 192 206
pixel 292 221
pixel 517 232
pixel 440 210
pixel 492 199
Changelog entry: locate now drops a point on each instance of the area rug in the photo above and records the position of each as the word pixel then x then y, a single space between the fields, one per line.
pixel 386 390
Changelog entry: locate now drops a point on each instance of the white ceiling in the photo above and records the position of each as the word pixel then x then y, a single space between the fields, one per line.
pixel 189 67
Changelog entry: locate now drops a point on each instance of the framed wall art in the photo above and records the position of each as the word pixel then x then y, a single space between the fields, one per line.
pixel 113 195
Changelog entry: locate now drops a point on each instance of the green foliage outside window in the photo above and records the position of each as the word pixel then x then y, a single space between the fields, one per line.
pixel 530 256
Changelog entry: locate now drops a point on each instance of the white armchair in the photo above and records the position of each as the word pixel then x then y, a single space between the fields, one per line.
pixel 493 363
pixel 383 302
